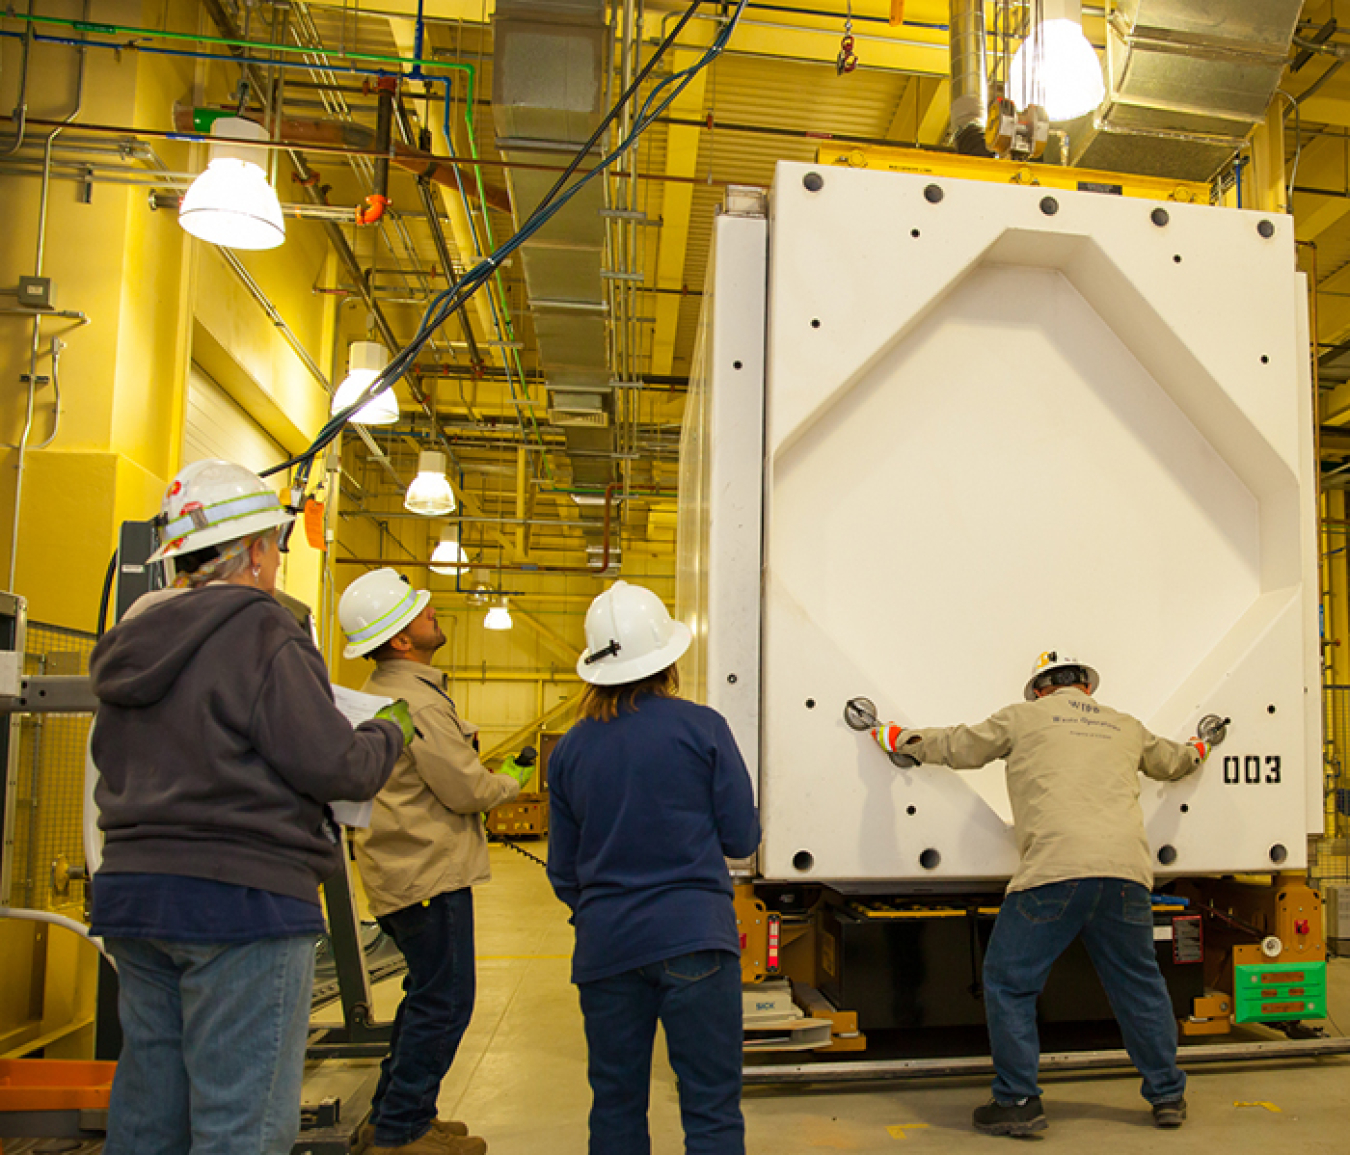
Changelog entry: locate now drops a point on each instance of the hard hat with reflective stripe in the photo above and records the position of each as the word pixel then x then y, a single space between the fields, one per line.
pixel 1052 660
pixel 629 636
pixel 212 502
pixel 375 607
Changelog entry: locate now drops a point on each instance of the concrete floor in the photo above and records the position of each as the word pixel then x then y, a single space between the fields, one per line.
pixel 520 1077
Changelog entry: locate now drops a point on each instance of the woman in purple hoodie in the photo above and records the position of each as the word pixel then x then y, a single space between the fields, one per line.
pixel 218 747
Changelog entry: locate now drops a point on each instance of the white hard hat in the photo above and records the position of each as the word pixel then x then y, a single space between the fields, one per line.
pixel 211 502
pixel 629 636
pixel 375 607
pixel 1058 660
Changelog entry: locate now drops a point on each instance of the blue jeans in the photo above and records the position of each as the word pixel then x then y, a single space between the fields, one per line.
pixel 1034 927
pixel 213 1046
pixel 697 998
pixel 436 938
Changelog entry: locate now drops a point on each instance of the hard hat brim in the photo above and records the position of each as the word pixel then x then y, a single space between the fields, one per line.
pixel 363 647
pixel 220 534
pixel 1029 692
pixel 616 671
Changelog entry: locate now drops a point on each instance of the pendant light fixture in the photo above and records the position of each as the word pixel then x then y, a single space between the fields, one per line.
pixel 1056 67
pixel 366 360
pixel 430 491
pixel 449 557
pixel 232 204
pixel 498 616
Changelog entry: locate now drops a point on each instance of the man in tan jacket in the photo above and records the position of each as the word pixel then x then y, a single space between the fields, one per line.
pixel 419 860
pixel 1085 869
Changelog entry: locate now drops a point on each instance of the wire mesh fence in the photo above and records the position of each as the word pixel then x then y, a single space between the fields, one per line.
pixel 1329 861
pixel 49 796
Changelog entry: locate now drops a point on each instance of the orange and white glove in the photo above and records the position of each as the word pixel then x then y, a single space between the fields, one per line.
pixel 1201 748
pixel 888 736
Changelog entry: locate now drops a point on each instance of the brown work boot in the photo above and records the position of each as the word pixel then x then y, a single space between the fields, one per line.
pixel 464 1144
pixel 433 1142
pixel 447 1128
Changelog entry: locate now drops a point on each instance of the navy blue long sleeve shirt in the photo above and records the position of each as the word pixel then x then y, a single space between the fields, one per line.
pixel 644 812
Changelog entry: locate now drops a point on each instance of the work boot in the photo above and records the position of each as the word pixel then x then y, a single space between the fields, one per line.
pixel 433 1142
pixel 1021 1117
pixel 445 1127
pixel 1169 1115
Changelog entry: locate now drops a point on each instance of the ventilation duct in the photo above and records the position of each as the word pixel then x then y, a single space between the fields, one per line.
pixel 970 88
pixel 568 408
pixel 1187 82
pixel 548 94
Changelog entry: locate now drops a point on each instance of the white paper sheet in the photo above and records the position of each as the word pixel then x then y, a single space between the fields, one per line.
pixel 356 707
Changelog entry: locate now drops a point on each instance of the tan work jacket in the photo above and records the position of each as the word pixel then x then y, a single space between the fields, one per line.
pixel 426 834
pixel 1073 769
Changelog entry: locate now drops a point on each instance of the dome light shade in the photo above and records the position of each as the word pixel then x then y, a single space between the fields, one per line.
pixel 498 617
pixel 365 361
pixel 1058 69
pixel 430 493
pixel 231 204
pixel 449 557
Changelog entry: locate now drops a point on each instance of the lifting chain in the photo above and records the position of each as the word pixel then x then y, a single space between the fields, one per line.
pixel 847 60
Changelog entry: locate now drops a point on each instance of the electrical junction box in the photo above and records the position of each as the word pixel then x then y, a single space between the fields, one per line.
pixel 35 292
pixel 11 674
pixel 521 817
pixel 937 426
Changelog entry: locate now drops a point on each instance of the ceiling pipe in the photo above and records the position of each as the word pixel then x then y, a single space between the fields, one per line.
pixel 378 201
pixel 350 139
pixel 711 125
pixel 235 42
pixel 289 145
pixel 593 571
pixel 20 116
pixel 404 124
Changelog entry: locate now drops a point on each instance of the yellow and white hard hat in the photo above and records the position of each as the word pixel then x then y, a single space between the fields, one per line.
pixel 1050 661
pixel 212 502
pixel 375 607
pixel 630 635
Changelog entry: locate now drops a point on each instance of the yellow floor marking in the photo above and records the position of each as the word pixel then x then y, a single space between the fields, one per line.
pixel 899 1129
pixel 1260 1103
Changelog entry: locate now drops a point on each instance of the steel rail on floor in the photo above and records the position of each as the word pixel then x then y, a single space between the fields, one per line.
pixel 855 1071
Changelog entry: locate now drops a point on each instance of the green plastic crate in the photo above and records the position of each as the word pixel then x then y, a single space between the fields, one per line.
pixel 1278 992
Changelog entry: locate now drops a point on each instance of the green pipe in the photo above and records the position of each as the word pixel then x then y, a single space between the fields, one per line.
pixel 223 41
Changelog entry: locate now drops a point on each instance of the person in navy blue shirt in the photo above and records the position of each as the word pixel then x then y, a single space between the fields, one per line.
pixel 649 797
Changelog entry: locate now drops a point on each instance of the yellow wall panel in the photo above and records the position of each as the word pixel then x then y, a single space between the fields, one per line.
pixel 67 534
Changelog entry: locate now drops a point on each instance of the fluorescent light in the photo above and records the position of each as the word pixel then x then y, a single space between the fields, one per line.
pixel 449 554
pixel 231 204
pixel 366 360
pixel 498 617
pixel 1057 68
pixel 430 491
